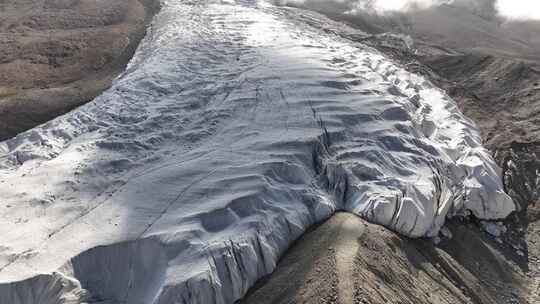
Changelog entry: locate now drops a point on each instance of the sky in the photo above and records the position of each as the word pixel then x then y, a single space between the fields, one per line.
pixel 512 9
pixel 519 9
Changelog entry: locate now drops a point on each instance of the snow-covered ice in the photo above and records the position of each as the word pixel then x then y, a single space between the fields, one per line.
pixel 496 229
pixel 236 127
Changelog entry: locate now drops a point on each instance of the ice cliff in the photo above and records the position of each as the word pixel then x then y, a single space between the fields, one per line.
pixel 236 127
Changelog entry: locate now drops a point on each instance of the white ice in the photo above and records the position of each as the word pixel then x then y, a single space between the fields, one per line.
pixel 235 128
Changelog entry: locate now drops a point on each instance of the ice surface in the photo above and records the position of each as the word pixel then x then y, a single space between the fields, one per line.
pixel 495 229
pixel 235 128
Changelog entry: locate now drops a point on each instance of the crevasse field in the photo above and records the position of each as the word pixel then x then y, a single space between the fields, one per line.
pixel 236 127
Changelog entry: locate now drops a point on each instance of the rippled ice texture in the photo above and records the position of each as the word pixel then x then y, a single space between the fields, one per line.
pixel 235 128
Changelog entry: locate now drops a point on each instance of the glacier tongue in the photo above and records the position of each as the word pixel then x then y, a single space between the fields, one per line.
pixel 236 127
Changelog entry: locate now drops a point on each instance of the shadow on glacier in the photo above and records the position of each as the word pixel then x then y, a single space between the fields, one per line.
pixel 127 272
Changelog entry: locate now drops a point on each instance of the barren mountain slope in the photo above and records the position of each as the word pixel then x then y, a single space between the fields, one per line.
pixel 58 54
pixel 348 260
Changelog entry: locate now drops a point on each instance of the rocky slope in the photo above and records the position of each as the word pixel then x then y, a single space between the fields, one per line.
pixel 348 260
pixel 59 54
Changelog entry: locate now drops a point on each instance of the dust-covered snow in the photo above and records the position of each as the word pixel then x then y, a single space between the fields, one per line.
pixel 236 127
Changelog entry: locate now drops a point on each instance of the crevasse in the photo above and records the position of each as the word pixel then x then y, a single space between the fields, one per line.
pixel 236 127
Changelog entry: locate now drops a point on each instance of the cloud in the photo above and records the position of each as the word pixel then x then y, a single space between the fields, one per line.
pixel 352 6
pixel 512 9
pixel 393 5
pixel 519 9
pixel 399 5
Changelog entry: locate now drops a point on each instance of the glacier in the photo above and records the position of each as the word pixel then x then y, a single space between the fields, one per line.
pixel 236 127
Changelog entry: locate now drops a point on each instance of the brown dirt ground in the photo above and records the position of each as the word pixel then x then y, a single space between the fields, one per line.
pixel 59 54
pixel 348 260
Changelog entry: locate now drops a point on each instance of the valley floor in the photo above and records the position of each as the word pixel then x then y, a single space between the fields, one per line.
pixel 348 260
